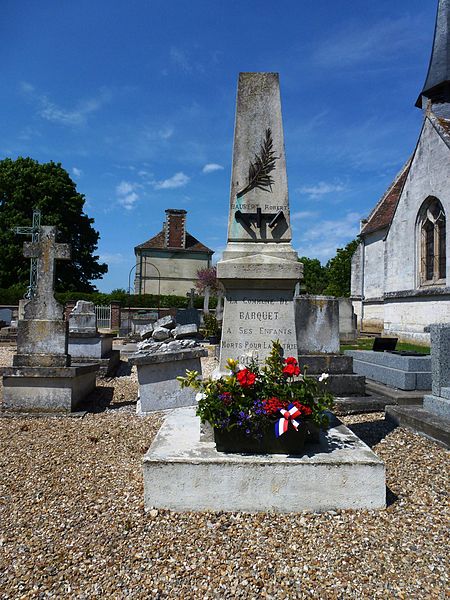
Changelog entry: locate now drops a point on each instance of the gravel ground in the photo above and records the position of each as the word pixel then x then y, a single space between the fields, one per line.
pixel 72 521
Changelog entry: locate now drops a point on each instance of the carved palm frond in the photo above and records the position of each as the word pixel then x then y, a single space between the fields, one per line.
pixel 259 170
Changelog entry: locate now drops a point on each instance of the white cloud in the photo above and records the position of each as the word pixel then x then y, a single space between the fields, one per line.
pixel 322 239
pixel 211 167
pixel 177 181
pixel 127 195
pixel 321 189
pixel 77 172
pixel 26 87
pixel 76 116
pixel 166 132
pixel 381 41
pixel 112 259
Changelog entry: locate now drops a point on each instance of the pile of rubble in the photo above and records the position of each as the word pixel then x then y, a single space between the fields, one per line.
pixel 166 336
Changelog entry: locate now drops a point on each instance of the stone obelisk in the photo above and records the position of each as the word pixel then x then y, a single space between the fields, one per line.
pixel 259 268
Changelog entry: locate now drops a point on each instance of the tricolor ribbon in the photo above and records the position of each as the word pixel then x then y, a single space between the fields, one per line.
pixel 289 415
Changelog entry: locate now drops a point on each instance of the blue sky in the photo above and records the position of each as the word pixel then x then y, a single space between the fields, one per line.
pixel 136 99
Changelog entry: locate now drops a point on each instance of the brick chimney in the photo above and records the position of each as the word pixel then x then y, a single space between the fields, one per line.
pixel 175 228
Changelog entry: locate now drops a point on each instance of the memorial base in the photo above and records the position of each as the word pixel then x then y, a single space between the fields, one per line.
pixel 183 473
pixel 46 389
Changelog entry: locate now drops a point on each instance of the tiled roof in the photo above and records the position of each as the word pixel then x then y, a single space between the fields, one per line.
pixel 383 212
pixel 157 242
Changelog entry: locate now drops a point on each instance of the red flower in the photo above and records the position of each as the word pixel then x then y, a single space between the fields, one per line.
pixel 305 410
pixel 246 378
pixel 291 367
pixel 290 370
pixel 273 405
pixel 290 360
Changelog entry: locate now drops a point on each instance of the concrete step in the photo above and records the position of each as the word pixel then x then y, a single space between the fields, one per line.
pixel 345 384
pixel 360 404
pixel 421 421
pixel 400 397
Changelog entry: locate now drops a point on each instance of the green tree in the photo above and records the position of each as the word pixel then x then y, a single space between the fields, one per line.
pixel 26 184
pixel 339 271
pixel 315 276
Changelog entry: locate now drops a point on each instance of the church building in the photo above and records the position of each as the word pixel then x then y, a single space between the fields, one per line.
pixel 400 272
pixel 168 262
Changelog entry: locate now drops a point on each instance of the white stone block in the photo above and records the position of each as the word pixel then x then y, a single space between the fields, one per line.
pixel 184 474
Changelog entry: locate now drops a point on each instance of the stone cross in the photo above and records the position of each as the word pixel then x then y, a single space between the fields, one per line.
pixel 34 232
pixel 191 295
pixel 43 305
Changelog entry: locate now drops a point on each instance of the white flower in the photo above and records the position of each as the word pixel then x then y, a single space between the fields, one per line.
pixel 323 377
pixel 199 396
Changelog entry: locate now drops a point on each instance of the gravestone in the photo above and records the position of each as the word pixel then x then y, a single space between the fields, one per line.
pixel 186 316
pixel 348 331
pixel 42 334
pixel 317 324
pixel 41 379
pixel 86 344
pixel 433 418
pixel 6 316
pixel 259 268
pixel 438 402
pixel 83 319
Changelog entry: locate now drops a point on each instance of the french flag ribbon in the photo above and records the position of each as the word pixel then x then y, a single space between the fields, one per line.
pixel 289 415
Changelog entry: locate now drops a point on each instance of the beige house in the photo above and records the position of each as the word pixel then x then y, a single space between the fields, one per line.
pixel 168 262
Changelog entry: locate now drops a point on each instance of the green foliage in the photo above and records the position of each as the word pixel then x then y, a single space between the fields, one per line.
pixel 251 398
pixel 211 324
pixel 339 271
pixel 315 275
pixel 334 278
pixel 13 294
pixel 26 184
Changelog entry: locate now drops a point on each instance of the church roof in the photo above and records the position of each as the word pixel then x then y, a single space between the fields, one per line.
pixel 158 243
pixel 383 213
pixel 439 68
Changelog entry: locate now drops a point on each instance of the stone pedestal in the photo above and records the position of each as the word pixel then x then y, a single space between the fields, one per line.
pixel 46 389
pixel 258 308
pixel 184 474
pixel 342 382
pixel 41 342
pixel 157 373
pixel 317 324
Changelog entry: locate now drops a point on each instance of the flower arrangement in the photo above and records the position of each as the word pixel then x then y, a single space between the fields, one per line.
pixel 255 400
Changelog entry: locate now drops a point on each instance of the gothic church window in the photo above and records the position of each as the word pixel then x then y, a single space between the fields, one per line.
pixel 432 230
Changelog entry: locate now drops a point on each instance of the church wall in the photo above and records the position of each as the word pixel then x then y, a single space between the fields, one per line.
pixel 429 175
pixel 407 318
pixel 373 272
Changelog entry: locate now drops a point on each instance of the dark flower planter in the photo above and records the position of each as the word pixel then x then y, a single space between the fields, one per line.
pixel 213 339
pixel 236 441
